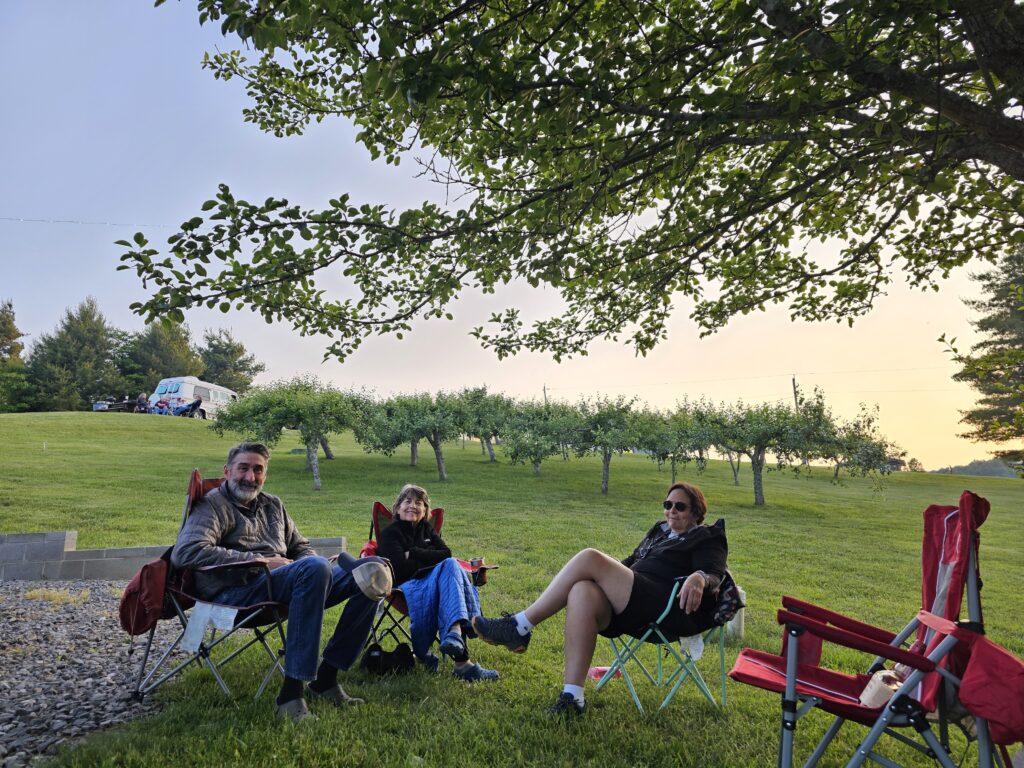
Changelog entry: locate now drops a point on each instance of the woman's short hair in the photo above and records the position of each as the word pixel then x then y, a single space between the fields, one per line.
pixel 698 504
pixel 414 492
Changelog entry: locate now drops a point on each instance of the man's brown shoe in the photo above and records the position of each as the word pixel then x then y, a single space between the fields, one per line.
pixel 335 695
pixel 295 710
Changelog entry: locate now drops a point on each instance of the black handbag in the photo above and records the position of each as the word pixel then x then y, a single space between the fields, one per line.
pixel 380 662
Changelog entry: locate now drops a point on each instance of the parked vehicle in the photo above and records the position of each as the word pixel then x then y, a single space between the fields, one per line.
pixel 112 404
pixel 179 391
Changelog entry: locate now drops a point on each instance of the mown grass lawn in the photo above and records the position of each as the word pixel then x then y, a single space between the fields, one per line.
pixel 119 480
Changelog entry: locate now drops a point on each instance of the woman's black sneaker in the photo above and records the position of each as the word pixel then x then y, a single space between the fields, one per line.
pixel 503 631
pixel 566 704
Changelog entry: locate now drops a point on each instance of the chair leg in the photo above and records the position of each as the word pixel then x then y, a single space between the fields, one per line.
pixel 142 667
pixel 721 660
pixel 825 741
pixel 204 655
pixel 789 702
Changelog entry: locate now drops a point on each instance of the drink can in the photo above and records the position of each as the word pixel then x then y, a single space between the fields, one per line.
pixel 479 574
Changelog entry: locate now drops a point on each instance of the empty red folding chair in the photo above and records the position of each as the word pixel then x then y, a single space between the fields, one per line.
pixel 932 664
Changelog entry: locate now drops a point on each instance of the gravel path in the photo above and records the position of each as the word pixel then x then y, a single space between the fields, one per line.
pixel 64 666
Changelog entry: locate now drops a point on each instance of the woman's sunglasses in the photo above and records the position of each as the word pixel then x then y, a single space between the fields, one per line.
pixel 680 506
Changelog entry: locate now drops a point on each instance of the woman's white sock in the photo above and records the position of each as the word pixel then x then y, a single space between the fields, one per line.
pixel 575 690
pixel 523 624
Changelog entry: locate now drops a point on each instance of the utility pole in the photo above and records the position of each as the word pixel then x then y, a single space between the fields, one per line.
pixel 796 409
pixel 545 388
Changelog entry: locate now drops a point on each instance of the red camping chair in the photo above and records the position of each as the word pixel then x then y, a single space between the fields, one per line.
pixel 392 612
pixel 936 658
pixel 199 621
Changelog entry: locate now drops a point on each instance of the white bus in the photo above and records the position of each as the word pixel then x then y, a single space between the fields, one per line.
pixel 182 390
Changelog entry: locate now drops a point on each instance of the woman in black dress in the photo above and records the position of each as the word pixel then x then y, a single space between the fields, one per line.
pixel 602 595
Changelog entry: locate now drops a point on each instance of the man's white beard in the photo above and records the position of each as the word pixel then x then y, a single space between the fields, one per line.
pixel 243 493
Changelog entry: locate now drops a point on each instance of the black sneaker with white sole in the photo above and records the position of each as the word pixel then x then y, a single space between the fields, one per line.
pixel 503 631
pixel 566 704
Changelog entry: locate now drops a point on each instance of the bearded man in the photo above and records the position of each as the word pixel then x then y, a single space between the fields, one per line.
pixel 238 523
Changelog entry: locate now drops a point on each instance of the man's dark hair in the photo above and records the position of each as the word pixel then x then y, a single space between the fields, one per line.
pixel 259 448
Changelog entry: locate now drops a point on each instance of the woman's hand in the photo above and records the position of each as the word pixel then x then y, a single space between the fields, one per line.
pixel 692 592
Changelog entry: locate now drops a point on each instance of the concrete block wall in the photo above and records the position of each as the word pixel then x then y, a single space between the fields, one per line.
pixel 54 557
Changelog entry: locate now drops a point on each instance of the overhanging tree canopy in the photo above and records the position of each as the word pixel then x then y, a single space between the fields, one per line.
pixel 631 155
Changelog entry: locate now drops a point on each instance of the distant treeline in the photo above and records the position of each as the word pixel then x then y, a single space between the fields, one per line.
pixel 980 468
pixel 85 359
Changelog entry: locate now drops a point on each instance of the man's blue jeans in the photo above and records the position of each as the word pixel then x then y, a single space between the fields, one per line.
pixel 308 586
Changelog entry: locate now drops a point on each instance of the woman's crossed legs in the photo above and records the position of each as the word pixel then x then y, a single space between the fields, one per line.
pixel 591 587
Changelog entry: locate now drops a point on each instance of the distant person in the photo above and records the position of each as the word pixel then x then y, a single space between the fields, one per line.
pixel 161 407
pixel 142 403
pixel 440 598
pixel 189 409
pixel 602 595
pixel 238 523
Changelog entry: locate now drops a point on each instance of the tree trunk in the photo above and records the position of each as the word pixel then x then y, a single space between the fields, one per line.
pixel 673 470
pixel 565 451
pixel 835 473
pixel 536 467
pixel 435 443
pixel 757 467
pixel 735 465
pixel 490 448
pixel 606 460
pixel 483 448
pixel 328 453
pixel 414 452
pixel 313 462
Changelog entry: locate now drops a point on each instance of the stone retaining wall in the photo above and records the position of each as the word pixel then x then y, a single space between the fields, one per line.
pixel 54 556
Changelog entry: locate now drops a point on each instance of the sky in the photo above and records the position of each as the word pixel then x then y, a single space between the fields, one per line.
pixel 110 126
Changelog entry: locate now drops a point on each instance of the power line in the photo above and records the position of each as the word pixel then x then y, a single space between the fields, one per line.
pixel 778 375
pixel 22 220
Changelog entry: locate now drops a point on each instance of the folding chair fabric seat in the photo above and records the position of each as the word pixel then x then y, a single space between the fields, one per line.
pixel 839 692
pixel 265 618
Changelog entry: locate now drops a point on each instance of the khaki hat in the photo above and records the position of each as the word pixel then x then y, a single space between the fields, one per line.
pixel 374 579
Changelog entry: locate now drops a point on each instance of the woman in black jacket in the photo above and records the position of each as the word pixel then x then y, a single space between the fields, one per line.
pixel 438 593
pixel 602 595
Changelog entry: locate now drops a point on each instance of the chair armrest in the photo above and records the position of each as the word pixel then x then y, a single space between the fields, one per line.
pixel 849 639
pixel 837 619
pixel 259 563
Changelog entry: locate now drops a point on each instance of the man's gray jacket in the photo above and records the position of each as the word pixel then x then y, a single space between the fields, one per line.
pixel 222 530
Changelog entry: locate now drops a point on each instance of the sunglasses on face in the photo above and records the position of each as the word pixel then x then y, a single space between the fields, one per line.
pixel 680 506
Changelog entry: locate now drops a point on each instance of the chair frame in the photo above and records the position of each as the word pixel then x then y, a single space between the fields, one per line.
pixel 901 711
pixel 807 625
pixel 628 649
pixel 265 618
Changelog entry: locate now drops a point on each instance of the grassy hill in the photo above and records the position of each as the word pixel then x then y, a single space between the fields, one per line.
pixel 119 479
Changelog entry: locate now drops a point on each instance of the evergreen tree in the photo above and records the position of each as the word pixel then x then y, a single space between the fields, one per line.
pixel 161 350
pixel 10 347
pixel 227 362
pixel 13 387
pixel 74 365
pixel 995 365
